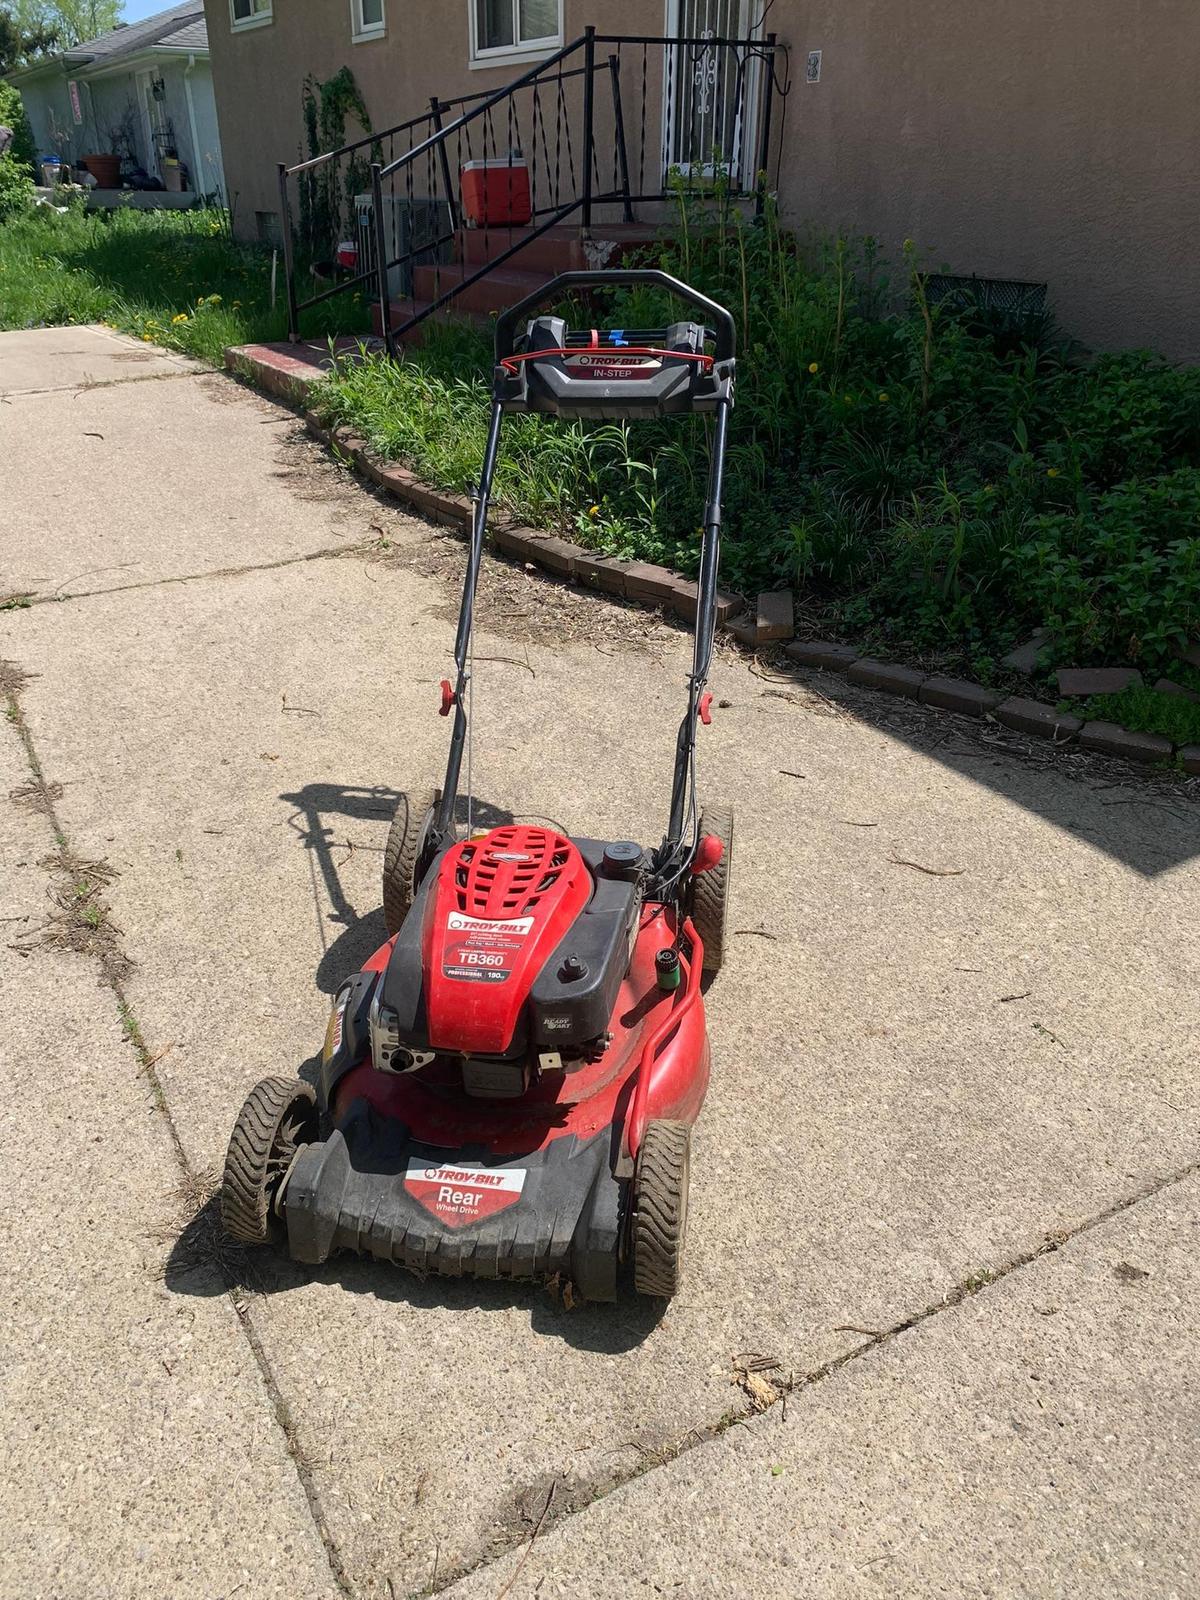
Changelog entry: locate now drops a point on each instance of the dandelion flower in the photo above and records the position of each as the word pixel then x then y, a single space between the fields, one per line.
pixel 147 339
pixel 884 397
pixel 1052 472
pixel 182 317
pixel 813 366
pixel 593 511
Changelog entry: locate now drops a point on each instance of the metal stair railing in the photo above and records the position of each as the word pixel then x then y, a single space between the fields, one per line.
pixel 702 121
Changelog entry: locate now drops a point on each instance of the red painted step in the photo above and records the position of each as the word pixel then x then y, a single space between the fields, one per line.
pixel 402 310
pixel 559 249
pixel 498 289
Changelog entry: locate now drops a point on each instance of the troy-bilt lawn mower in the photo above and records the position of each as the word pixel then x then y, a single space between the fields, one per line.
pixel 509 1084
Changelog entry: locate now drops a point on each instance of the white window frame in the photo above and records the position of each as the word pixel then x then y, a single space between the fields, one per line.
pixel 361 32
pixel 260 17
pixel 505 55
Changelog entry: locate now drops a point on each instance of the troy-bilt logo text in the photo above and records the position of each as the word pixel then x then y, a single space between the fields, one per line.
pixel 462 1194
pixel 458 921
pixel 604 365
pixel 485 948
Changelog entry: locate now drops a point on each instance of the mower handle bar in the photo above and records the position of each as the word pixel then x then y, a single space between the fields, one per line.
pixel 508 321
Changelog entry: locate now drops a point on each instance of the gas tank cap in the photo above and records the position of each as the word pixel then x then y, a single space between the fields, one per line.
pixel 622 860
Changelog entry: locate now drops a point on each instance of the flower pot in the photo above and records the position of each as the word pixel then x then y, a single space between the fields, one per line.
pixel 105 169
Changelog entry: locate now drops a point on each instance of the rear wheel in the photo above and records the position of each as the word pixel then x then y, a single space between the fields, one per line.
pixel 402 857
pixel 660 1201
pixel 710 890
pixel 280 1115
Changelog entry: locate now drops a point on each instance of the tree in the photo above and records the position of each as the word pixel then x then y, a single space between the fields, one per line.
pixel 17 46
pixel 70 22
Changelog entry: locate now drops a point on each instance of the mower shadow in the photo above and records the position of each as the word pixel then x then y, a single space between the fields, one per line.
pixel 203 1263
pixel 317 808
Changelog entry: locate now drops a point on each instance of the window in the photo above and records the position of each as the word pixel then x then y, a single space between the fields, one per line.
pixel 511 29
pixel 249 13
pixel 367 20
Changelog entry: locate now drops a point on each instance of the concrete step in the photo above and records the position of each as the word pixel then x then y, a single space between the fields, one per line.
pixel 401 310
pixel 500 288
pixel 559 249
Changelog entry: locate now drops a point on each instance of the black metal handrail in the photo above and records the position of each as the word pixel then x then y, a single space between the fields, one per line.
pixel 715 99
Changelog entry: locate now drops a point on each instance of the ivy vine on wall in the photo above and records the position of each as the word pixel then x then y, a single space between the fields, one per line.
pixel 327 192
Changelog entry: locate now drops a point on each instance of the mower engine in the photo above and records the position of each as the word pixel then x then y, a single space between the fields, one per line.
pixel 510 962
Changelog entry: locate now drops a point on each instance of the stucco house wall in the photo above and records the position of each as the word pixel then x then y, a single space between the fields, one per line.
pixel 112 75
pixel 1058 143
pixel 104 102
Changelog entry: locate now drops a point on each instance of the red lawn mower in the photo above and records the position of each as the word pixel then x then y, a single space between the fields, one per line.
pixel 508 1086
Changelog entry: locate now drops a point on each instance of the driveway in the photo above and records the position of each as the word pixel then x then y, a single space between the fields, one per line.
pixel 945 1188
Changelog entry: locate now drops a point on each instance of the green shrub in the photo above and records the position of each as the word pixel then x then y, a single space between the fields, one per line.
pixel 16 164
pixel 940 481
pixel 1149 712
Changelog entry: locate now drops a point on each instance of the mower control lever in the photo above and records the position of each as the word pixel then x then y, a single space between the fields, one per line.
pixel 508 322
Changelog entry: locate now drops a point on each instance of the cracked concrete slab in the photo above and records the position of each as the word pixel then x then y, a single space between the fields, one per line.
pixel 1040 1439
pixel 64 360
pixel 917 1077
pixel 246 483
pixel 140 1455
pixel 885 1119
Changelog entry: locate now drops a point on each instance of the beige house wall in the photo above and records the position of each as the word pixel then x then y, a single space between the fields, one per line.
pixel 1057 141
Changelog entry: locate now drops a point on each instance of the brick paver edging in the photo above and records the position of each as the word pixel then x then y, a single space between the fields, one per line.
pixel 289 379
pixel 659 586
pixel 630 580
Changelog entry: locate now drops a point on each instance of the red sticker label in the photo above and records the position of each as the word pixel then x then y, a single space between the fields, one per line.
pixel 463 1193
pixel 484 948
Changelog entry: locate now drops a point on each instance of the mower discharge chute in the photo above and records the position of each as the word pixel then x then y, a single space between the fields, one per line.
pixel 508 1086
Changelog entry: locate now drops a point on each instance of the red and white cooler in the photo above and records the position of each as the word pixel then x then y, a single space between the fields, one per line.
pixel 495 193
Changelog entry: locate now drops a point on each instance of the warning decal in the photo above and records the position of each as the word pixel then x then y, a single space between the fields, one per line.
pixel 483 949
pixel 608 365
pixel 463 1193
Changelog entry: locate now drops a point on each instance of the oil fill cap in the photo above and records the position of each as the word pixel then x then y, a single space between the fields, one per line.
pixel 622 860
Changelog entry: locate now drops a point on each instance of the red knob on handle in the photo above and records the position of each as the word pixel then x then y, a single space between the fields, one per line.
pixel 709 850
pixel 706 707
pixel 447 698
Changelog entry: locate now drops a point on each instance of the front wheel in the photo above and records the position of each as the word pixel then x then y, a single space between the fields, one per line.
pixel 710 890
pixel 660 1205
pixel 280 1115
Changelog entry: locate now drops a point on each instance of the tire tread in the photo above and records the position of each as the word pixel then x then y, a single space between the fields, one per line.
pixel 245 1203
pixel 661 1208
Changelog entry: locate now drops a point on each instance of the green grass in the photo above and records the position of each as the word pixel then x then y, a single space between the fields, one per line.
pixel 173 278
pixel 936 481
pixel 1146 711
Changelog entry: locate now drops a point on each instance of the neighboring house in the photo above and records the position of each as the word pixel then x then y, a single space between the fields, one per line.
pixel 1057 143
pixel 144 91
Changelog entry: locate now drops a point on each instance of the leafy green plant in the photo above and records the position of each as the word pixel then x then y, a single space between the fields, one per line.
pixel 16 170
pixel 1147 711
pixel 938 478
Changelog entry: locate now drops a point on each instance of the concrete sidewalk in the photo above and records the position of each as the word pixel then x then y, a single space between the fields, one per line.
pixel 918 1080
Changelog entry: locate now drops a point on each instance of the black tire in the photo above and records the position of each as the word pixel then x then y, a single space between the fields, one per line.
pixel 402 856
pixel 280 1115
pixel 710 891
pixel 660 1202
